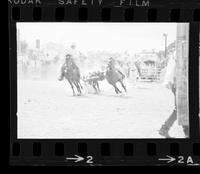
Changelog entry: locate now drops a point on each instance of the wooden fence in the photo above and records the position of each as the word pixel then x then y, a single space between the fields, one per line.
pixel 151 75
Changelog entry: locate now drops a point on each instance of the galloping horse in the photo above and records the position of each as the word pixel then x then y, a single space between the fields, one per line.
pixel 113 75
pixel 94 79
pixel 72 74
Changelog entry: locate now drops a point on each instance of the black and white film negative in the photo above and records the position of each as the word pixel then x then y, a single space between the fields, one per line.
pixel 104 82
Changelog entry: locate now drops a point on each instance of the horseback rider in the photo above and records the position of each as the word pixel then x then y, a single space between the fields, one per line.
pixel 113 75
pixel 111 65
pixel 69 62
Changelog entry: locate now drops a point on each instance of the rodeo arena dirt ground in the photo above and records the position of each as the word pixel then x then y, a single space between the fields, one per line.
pixel 47 109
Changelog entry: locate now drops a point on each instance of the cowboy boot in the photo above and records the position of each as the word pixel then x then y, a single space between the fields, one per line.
pixel 186 131
pixel 164 131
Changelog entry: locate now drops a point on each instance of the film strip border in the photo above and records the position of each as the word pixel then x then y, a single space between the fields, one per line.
pixel 105 14
pixel 105 152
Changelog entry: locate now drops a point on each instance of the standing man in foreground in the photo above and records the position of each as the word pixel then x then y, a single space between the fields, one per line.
pixel 170 83
pixel 177 80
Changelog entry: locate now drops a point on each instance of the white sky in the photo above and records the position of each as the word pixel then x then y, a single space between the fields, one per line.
pixel 115 37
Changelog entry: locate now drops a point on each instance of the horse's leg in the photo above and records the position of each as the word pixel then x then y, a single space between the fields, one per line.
pixel 94 86
pixel 72 87
pixel 77 87
pixel 98 86
pixel 121 82
pixel 80 85
pixel 116 89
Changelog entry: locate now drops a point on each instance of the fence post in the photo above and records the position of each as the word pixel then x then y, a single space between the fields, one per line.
pixel 182 55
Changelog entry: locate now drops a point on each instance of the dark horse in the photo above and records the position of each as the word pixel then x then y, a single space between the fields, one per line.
pixel 72 74
pixel 93 80
pixel 113 75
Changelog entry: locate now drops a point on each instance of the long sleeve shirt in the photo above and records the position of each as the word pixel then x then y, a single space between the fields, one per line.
pixel 170 72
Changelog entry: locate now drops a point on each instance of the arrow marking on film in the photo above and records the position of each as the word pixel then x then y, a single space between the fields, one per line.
pixel 76 158
pixel 169 159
